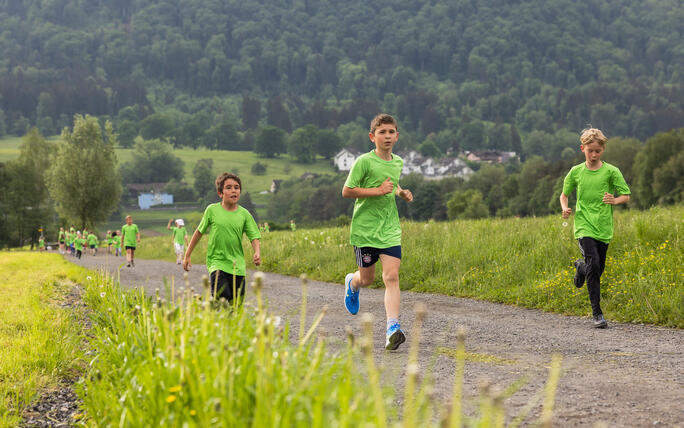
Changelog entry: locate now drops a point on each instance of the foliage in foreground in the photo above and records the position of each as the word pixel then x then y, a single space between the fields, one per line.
pixel 187 362
pixel 520 261
pixel 39 341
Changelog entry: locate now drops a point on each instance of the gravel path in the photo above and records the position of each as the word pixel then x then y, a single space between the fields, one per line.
pixel 628 375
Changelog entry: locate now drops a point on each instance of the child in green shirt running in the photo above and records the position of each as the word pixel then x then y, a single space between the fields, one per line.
pixel 293 226
pixel 92 243
pixel 79 242
pixel 180 238
pixel 375 230
pixel 596 182
pixel 130 235
pixel 227 222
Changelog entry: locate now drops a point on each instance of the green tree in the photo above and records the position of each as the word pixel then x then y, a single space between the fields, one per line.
pixel 181 191
pixel 466 204
pixel 259 168
pixel 153 162
pixel 328 143
pixel 301 144
pixel 83 179
pixel 270 142
pixel 156 126
pixel 203 177
pixel 655 155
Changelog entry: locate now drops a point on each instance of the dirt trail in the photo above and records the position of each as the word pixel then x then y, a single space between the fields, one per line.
pixel 628 375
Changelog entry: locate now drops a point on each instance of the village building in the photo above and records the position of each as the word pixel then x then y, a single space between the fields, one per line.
pixel 490 156
pixel 344 159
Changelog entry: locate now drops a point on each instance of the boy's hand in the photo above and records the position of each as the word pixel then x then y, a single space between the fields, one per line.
pixel 186 264
pixel 567 212
pixel 406 195
pixel 608 198
pixel 386 187
pixel 257 259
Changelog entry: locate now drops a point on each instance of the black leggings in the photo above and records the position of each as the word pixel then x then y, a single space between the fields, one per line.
pixel 594 253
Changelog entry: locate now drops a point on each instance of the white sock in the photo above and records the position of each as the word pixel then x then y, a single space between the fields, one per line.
pixel 392 321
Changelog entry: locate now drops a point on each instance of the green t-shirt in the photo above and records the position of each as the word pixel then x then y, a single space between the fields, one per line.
pixel 179 234
pixel 129 233
pixel 61 236
pixel 593 217
pixel 375 222
pixel 92 239
pixel 225 237
pixel 79 243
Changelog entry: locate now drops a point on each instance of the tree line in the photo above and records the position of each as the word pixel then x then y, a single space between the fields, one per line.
pixel 459 75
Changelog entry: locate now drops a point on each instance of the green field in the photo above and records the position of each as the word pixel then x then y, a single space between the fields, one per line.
pixel 521 261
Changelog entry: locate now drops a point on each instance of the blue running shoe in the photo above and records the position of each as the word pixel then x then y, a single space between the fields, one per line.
pixel 395 337
pixel 351 297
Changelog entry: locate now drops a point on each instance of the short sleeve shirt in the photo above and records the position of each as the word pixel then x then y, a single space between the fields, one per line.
pixel 224 251
pixel 129 233
pixel 375 222
pixel 92 239
pixel 179 234
pixel 593 217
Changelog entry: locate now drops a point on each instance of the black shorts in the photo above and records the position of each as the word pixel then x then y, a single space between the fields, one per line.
pixel 223 285
pixel 92 247
pixel 368 256
pixel 129 247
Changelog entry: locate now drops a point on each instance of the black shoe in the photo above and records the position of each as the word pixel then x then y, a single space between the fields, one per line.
pixel 580 277
pixel 600 322
pixel 128 265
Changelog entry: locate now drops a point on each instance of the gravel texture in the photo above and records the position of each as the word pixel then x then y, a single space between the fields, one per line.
pixel 628 375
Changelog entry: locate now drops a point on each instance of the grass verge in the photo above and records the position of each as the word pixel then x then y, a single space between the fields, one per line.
pixel 520 261
pixel 39 341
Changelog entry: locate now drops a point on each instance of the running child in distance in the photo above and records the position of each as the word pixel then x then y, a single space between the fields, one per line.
pixel 227 222
pixel 375 230
pixel 596 182
pixel 130 235
pixel 180 238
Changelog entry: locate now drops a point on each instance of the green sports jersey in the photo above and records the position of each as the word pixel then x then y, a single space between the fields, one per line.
pixel 593 217
pixel 224 251
pixel 129 234
pixel 79 243
pixel 92 239
pixel 179 234
pixel 375 222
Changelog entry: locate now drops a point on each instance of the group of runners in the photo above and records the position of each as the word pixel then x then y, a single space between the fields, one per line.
pixel 373 182
pixel 375 232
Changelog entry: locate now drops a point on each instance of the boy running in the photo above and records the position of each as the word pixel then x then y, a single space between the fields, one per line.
pixel 62 240
pixel 375 230
pixel 129 236
pixel 227 222
pixel 180 238
pixel 596 183
pixel 93 243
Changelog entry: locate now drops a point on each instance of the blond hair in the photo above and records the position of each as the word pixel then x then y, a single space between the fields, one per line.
pixel 593 135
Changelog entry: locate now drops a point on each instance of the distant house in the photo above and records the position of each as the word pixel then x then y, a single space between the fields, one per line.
pixel 490 156
pixel 308 176
pixel 344 159
pixel 146 200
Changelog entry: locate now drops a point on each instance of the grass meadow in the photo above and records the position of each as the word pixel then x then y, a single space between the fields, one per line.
pixel 520 261
pixel 40 342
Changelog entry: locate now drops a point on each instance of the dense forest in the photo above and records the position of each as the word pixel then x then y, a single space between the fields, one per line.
pixel 459 75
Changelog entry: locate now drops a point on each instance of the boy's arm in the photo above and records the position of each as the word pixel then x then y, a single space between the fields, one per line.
pixel 362 192
pixel 404 194
pixel 609 198
pixel 256 246
pixel 168 226
pixel 564 205
pixel 195 239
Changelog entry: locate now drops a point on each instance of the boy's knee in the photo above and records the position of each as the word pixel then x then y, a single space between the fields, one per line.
pixel 390 277
pixel 365 281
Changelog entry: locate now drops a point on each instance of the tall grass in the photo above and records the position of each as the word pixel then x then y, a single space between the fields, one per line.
pixel 521 261
pixel 39 341
pixel 188 362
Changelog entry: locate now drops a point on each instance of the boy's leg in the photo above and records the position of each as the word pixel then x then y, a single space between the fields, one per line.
pixel 593 270
pixel 390 276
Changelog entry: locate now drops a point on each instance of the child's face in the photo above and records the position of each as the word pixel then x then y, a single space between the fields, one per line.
pixel 592 152
pixel 385 136
pixel 129 220
pixel 231 191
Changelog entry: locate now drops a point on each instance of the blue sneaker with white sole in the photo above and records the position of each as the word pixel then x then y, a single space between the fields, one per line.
pixel 351 297
pixel 395 337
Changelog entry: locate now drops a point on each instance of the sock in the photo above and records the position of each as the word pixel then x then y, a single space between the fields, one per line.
pixel 392 321
pixel 354 289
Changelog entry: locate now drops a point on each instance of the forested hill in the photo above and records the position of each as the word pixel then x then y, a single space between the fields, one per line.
pixel 473 73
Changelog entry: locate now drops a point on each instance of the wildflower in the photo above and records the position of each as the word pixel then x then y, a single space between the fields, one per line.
pixel 171 398
pixel 193 412
pixel 175 388
pixel 103 294
pixel 89 277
